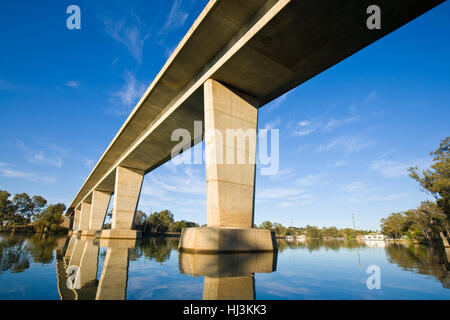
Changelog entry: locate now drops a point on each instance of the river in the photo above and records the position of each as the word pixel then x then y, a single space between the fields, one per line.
pixel 55 267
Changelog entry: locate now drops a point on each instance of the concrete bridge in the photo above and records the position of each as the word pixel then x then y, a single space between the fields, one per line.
pixel 237 57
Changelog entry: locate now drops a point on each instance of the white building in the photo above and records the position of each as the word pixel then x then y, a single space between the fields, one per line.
pixel 374 237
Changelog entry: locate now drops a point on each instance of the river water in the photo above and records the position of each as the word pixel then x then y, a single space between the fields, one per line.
pixel 33 267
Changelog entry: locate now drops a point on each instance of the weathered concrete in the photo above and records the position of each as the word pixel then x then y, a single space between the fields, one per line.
pixel 114 277
pixel 76 219
pixel 230 164
pixel 207 239
pixel 126 197
pixel 84 216
pixel 99 207
pixel 127 190
pixel 230 176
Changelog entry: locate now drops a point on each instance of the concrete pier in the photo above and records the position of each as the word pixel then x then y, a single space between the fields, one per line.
pixel 127 190
pixel 231 119
pixel 99 207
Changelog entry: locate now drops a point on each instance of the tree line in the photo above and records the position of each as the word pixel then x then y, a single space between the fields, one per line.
pixel 157 222
pixel 429 221
pixel 313 232
pixel 24 210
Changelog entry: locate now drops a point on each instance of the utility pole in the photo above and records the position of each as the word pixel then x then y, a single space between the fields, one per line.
pixel 353 218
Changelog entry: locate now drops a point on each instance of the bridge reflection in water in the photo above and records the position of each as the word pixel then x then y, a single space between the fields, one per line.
pixel 227 276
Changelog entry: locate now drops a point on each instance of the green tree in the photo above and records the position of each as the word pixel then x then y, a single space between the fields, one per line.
pixel 428 218
pixel 50 219
pixel 266 225
pixel 395 226
pixel 313 232
pixel 7 209
pixel 140 219
pixel 27 207
pixel 436 180
pixel 279 229
pixel 177 226
pixel 159 222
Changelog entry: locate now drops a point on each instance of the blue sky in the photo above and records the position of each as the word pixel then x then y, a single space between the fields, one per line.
pixel 346 137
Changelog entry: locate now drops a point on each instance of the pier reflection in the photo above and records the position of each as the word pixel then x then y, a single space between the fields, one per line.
pixel 228 276
pixel 114 277
pixel 77 271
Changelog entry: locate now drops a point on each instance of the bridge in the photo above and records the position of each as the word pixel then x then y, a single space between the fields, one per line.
pixel 227 277
pixel 237 57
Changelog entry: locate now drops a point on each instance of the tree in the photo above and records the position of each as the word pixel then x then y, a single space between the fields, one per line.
pixel 177 226
pixel 313 232
pixel 395 225
pixel 27 207
pixel 279 229
pixel 331 232
pixel 50 219
pixel 436 181
pixel 7 209
pixel 428 218
pixel 159 222
pixel 139 220
pixel 266 225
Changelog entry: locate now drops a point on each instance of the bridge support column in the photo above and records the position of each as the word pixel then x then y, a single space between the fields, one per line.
pixel 127 190
pixel 230 146
pixel 100 203
pixel 85 216
pixel 76 219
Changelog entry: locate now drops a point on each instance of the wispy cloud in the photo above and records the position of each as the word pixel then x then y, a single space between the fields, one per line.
pixel 8 172
pixel 371 97
pixel 187 181
pixel 89 163
pixel 278 102
pixel 307 127
pixel 375 198
pixel 390 169
pixel 340 163
pixel 278 193
pixel 176 18
pixel 127 96
pixel 304 128
pixel 336 123
pixel 354 186
pixel 45 154
pixel 129 31
pixel 283 174
pixel 346 144
pixel 311 180
pixel 73 84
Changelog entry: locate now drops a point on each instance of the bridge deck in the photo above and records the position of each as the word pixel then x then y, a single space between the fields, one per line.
pixel 262 48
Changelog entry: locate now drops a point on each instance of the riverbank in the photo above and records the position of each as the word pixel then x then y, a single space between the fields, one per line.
pixel 28 229
pixel 17 229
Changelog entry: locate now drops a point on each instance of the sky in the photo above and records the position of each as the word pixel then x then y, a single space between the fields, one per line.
pixel 347 136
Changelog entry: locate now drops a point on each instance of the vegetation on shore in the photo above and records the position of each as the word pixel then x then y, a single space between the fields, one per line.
pixel 313 232
pixel 431 220
pixel 29 213
pixel 157 222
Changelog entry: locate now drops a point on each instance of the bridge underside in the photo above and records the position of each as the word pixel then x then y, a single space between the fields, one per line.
pixel 255 49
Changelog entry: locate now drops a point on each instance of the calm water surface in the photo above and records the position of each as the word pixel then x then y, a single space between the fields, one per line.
pixel 32 267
